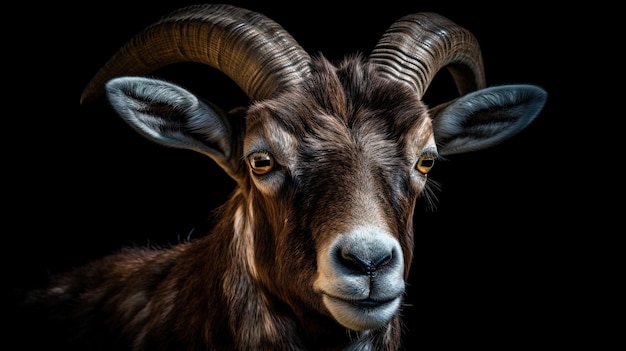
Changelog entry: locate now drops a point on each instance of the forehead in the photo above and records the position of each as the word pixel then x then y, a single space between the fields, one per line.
pixel 303 130
pixel 340 107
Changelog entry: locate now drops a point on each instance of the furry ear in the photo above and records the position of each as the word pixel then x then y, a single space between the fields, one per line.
pixel 485 117
pixel 172 116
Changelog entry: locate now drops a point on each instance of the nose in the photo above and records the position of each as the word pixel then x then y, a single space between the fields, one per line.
pixel 365 252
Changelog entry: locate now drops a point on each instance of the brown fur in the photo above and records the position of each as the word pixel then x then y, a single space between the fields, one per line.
pixel 247 285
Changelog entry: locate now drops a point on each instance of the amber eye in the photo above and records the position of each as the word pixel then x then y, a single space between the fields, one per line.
pixel 261 162
pixel 425 163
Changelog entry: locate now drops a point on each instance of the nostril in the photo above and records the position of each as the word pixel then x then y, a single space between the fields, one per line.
pixel 383 260
pixel 364 264
pixel 355 263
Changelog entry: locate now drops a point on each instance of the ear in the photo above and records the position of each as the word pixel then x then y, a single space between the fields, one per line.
pixel 485 117
pixel 172 116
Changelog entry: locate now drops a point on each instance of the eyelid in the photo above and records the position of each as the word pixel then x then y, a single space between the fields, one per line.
pixel 431 151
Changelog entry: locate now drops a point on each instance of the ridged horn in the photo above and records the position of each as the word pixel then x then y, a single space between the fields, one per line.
pixel 417 46
pixel 251 49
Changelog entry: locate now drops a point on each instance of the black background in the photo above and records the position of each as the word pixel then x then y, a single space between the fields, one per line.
pixel 492 262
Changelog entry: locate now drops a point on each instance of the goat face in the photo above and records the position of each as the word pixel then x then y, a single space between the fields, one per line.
pixel 337 166
pixel 328 160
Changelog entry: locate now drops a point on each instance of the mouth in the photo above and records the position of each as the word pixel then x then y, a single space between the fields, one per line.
pixel 370 303
pixel 362 314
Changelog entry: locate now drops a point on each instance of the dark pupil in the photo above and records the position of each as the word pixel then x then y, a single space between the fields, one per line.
pixel 427 163
pixel 262 162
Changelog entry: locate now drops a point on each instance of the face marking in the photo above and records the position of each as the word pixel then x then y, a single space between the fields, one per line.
pixel 244 237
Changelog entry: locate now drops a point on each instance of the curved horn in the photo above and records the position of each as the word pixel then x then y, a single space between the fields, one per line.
pixel 251 49
pixel 417 46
